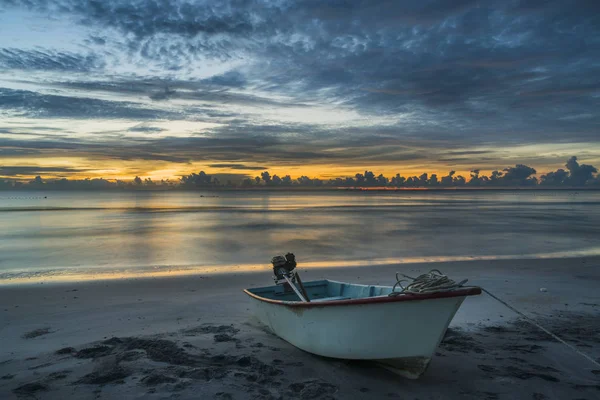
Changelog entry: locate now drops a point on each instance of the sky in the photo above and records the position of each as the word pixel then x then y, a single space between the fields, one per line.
pixel 163 88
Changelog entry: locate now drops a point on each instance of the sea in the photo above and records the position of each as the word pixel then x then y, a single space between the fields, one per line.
pixel 63 235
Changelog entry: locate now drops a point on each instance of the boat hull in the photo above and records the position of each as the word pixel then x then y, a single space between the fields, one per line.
pixel 402 335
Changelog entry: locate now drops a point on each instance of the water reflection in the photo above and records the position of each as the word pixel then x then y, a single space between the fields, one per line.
pixel 133 233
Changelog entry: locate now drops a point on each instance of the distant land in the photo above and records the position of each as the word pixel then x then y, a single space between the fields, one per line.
pixel 574 176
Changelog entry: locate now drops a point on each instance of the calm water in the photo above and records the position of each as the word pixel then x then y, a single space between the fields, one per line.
pixel 70 232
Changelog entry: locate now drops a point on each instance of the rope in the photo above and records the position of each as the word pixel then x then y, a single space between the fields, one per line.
pixel 431 282
pixel 435 281
pixel 532 322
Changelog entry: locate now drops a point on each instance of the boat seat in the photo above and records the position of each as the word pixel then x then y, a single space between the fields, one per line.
pixel 330 298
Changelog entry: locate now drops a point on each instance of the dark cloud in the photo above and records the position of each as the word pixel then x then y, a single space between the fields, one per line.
pixel 30 129
pixel 252 144
pixel 108 149
pixel 230 179
pixel 468 152
pixel 145 128
pixel 228 79
pixel 35 105
pixel 97 40
pixel 519 175
pixel 180 18
pixel 573 90
pixel 555 178
pixel 580 174
pixel 238 166
pixel 214 90
pixel 220 97
pixel 25 60
pixel 18 152
pixel 13 170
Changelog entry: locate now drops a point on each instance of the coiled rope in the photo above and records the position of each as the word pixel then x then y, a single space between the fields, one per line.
pixel 431 282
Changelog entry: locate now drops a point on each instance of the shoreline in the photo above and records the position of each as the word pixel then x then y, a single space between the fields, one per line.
pixel 211 344
pixel 81 275
pixel 310 189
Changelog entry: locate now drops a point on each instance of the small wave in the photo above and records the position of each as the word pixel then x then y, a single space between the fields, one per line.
pixel 130 209
pixel 415 205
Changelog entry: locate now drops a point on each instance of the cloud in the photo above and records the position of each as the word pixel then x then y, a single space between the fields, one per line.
pixel 181 18
pixel 12 170
pixel 106 149
pixel 424 80
pixel 101 41
pixel 239 166
pixel 36 105
pixel 519 175
pixel 579 174
pixel 48 60
pixel 234 179
pixel 228 79
pixel 214 90
pixel 468 152
pixel 255 144
pixel 145 128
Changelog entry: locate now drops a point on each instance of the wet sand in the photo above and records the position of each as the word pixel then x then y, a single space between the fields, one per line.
pixel 195 337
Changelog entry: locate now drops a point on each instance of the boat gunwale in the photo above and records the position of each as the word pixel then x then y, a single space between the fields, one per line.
pixel 467 291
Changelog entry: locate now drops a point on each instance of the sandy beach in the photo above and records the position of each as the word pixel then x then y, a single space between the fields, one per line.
pixel 195 337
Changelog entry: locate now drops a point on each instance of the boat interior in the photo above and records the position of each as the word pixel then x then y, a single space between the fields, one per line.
pixel 324 290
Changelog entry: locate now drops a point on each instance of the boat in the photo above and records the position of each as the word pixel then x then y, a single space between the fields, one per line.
pixel 400 330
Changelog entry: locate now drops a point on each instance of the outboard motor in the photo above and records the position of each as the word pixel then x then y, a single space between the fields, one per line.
pixel 284 273
pixel 284 266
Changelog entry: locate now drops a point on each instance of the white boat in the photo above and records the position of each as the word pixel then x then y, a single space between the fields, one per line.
pixel 361 322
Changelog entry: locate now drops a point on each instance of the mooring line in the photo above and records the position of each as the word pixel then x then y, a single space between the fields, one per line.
pixel 531 321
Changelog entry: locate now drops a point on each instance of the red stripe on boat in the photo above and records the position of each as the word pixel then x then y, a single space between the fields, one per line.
pixel 472 291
